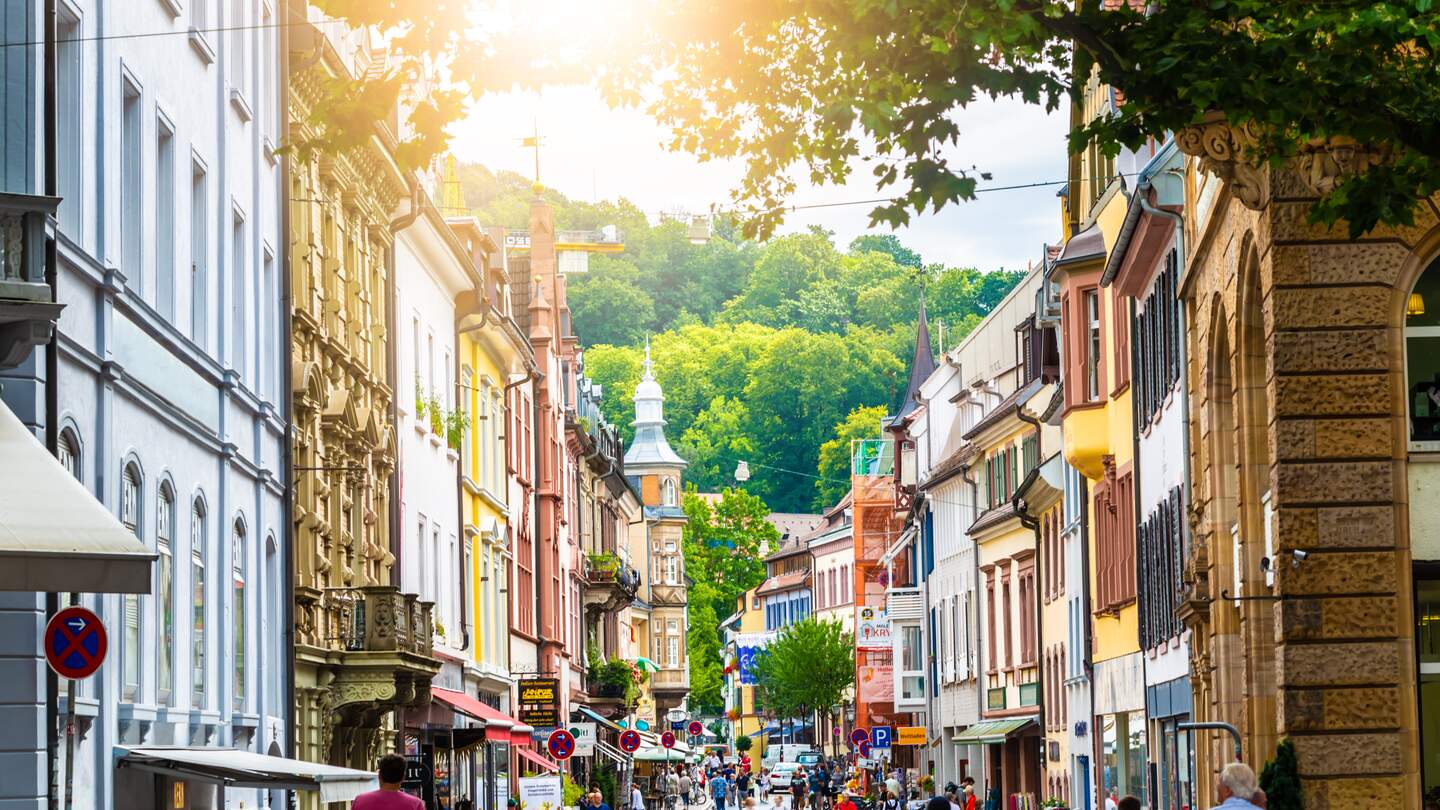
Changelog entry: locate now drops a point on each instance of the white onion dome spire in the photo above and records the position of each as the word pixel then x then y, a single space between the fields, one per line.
pixel 650 445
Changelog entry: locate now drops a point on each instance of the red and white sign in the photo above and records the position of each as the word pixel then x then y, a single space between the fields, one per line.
pixel 630 741
pixel 75 643
pixel 696 728
pixel 561 744
pixel 667 740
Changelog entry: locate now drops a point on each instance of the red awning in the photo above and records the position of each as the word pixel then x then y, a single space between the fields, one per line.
pixel 537 760
pixel 498 726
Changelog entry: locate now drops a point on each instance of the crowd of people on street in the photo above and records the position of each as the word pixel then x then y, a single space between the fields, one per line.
pixel 834 784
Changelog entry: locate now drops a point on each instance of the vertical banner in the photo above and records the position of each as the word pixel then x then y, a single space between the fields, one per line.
pixel 748 648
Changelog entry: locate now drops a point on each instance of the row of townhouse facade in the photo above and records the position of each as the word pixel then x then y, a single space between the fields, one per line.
pixel 316 445
pixel 1168 505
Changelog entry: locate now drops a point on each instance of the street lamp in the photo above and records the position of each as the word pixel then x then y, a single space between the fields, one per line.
pixel 742 472
pixel 699 231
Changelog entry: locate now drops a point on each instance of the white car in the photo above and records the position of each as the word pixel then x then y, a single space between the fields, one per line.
pixel 781 774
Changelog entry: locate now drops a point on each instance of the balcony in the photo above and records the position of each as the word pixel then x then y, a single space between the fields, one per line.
pixel 27 314
pixel 610 583
pixel 670 681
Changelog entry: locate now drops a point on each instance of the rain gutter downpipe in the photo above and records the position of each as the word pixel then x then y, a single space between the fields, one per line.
pixel 1022 510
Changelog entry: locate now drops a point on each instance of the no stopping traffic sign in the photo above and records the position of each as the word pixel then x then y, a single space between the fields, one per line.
pixel 75 643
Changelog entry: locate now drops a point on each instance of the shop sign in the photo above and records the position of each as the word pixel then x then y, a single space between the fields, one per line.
pixel 540 691
pixel 548 717
pixel 584 734
pixel 910 735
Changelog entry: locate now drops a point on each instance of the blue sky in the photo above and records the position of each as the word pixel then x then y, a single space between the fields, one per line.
pixel 592 151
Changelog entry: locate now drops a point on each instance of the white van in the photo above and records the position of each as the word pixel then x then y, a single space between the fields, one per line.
pixel 789 752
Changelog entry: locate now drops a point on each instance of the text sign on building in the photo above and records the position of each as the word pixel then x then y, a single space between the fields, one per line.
pixel 872 629
pixel 910 735
pixel 584 734
pixel 540 702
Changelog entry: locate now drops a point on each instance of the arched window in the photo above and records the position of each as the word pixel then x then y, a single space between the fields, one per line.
pixel 197 603
pixel 165 591
pixel 67 450
pixel 670 492
pixel 238 550
pixel 1422 360
pixel 130 603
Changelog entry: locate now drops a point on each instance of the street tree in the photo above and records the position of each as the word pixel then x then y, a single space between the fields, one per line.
pixel 807 668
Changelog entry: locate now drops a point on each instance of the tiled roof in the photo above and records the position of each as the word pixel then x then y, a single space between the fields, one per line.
pixel 1019 396
pixel 784 582
pixel 950 465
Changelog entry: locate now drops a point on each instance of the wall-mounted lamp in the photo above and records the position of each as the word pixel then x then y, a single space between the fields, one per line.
pixel 1415 305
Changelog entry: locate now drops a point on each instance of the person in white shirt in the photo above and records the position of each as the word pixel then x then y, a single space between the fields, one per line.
pixel 637 801
pixel 1237 788
pixel 1111 802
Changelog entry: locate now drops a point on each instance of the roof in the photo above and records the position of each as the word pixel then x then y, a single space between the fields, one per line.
pixel 993 516
pixel 650 447
pixel 54 534
pixel 922 365
pixel 784 582
pixel 794 523
pixel 1019 396
pixel 1084 246
pixel 951 465
pixel 653 512
pixel 1135 209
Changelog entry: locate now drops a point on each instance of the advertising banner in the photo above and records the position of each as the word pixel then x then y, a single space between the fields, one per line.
pixel 872 629
pixel 876 683
pixel 748 647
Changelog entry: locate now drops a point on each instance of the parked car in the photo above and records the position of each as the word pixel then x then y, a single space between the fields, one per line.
pixel 810 758
pixel 782 774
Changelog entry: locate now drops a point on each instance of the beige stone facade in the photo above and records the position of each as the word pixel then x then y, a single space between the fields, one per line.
pixel 1298 443
pixel 362 648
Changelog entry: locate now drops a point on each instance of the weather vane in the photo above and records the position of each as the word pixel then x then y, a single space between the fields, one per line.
pixel 534 142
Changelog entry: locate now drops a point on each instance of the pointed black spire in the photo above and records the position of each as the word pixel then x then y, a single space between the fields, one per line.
pixel 921 366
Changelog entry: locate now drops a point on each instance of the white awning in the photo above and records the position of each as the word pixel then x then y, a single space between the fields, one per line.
pixel 54 535
pixel 247 769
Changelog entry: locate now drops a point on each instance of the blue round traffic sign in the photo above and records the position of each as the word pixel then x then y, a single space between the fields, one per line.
pixel 561 744
pixel 75 643
pixel 630 741
pixel 859 734
pixel 667 739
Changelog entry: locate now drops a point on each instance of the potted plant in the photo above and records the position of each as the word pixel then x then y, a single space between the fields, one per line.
pixel 456 423
pixel 603 562
pixel 419 400
pixel 437 415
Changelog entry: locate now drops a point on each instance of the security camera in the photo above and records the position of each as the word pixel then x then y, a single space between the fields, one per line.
pixel 1265 565
pixel 1297 556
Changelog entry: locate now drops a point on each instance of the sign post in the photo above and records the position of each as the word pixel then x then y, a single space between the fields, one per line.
pixel 75 645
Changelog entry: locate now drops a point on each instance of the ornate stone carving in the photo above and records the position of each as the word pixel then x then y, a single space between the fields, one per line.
pixel 1222 150
pixel 376 691
pixel 1324 162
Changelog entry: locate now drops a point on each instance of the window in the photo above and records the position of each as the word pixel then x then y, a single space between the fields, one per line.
pixel 1008 617
pixel 199 254
pixel 266 301
pixel 1161 569
pixel 1114 542
pixel 238 550
pixel 165 220
pixel 239 79
pixel 197 604
pixel 669 492
pixel 991 659
pixel 239 280
pixel 165 591
pixel 1121 371
pixel 67 451
pixel 130 644
pixel 1157 343
pixel 1091 300
pixel 132 187
pixel 70 100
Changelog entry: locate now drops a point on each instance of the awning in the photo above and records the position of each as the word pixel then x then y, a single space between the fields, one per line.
pixel 498 726
pixel 54 535
pixel 994 731
pixel 656 754
pixel 601 719
pixel 247 769
pixel 543 763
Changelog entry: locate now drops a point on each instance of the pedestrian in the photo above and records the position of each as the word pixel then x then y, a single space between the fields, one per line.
pixel 686 785
pixel 846 801
pixel 798 786
pixel 391 772
pixel 1111 802
pixel 742 785
pixel 1129 803
pixel 597 799
pixel 1236 788
pixel 637 799
pixel 817 783
pixel 952 795
pixel 892 784
pixel 968 799
pixel 718 790
pixel 763 782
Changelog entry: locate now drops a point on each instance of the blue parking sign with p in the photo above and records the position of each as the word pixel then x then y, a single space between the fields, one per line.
pixel 880 737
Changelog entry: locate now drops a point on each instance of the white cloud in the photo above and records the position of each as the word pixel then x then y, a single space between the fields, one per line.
pixel 594 152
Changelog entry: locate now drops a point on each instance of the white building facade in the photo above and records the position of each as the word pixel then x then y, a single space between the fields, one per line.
pixel 169 377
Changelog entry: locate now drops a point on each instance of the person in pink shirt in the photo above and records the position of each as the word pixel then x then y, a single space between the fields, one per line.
pixel 389 796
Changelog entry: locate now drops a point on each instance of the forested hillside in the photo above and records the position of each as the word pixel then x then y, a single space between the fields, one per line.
pixel 766 351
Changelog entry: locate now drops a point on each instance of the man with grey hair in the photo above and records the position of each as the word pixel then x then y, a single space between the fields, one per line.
pixel 1236 788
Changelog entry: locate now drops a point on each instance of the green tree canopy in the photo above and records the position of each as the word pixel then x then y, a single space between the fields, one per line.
pixel 808 667
pixel 722 547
